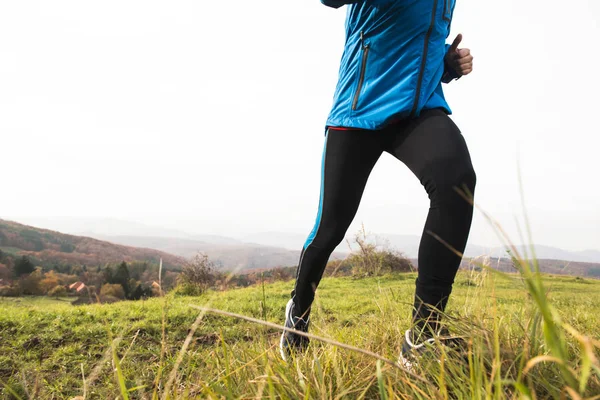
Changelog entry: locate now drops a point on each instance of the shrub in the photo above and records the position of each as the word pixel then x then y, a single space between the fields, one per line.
pixel 57 291
pixel 50 281
pixel 10 291
pixel 198 273
pixel 140 292
pixel 31 284
pixel 113 290
pixel 369 259
pixel 187 289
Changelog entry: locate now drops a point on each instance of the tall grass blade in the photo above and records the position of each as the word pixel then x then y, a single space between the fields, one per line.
pixel 311 336
pixel 119 373
pixel 9 390
pixel 380 382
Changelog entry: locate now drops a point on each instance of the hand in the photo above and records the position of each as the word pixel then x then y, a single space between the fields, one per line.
pixel 460 60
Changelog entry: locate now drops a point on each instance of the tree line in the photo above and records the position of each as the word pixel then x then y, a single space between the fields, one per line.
pixel 19 275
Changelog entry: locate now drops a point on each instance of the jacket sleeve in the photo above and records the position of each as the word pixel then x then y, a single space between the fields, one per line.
pixel 449 73
pixel 339 3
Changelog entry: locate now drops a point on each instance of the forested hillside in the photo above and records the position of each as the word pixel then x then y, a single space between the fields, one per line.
pixel 54 250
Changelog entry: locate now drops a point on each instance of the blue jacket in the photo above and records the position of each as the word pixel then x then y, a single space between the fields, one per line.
pixel 393 61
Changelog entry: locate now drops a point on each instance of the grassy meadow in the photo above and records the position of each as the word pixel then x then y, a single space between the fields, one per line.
pixel 50 349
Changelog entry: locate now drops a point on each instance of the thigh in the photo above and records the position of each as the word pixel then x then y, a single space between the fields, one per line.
pixel 348 160
pixel 432 147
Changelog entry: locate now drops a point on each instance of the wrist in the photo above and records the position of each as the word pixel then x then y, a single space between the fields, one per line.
pixel 449 72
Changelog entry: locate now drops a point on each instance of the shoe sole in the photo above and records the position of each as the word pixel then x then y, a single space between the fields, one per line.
pixel 281 341
pixel 406 363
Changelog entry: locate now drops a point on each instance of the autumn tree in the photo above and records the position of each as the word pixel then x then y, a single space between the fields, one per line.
pixel 76 270
pixel 30 284
pixel 50 281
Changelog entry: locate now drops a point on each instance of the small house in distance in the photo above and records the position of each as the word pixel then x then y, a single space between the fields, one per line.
pixel 77 287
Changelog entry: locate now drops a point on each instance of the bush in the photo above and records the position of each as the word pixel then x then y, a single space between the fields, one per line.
pixel 187 289
pixel 31 284
pixel 57 291
pixel 198 273
pixel 10 291
pixel 50 281
pixel 395 261
pixel 140 292
pixel 112 290
pixel 370 260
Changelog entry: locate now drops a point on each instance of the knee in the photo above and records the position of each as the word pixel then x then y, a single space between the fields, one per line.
pixel 328 239
pixel 453 183
pixel 435 283
pixel 468 179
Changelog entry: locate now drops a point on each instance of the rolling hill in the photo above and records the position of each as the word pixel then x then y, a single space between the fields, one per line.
pixel 234 255
pixel 49 248
pixel 409 245
pixel 259 251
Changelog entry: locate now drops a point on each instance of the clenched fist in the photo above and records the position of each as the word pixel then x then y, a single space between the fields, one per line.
pixel 459 60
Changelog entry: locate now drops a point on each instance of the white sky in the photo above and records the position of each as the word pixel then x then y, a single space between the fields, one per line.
pixel 208 116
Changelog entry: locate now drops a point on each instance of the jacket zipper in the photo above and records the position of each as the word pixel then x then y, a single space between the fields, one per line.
pixel 363 67
pixel 447 10
pixel 424 59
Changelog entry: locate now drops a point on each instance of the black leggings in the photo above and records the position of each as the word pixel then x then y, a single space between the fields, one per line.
pixel 432 147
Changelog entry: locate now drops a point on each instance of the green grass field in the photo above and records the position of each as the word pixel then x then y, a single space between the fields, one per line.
pixel 50 349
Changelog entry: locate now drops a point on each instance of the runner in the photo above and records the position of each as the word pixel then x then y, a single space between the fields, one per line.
pixel 389 98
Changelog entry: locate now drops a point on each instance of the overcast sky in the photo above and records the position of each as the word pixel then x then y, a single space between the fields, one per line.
pixel 208 116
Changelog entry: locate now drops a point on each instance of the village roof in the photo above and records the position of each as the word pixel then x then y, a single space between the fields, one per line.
pixel 77 286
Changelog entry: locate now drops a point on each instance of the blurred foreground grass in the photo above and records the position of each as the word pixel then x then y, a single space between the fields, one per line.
pixel 51 349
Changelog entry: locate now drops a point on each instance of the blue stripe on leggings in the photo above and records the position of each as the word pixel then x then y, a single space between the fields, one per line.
pixel 313 233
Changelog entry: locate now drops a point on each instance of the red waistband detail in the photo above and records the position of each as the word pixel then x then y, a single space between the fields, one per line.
pixel 343 128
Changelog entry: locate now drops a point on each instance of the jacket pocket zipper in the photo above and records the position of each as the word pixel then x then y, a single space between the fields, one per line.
pixel 363 67
pixel 424 59
pixel 446 15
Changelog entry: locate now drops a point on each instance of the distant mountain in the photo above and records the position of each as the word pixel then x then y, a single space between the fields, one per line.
pixel 50 248
pixel 409 245
pixel 177 246
pixel 215 239
pixel 95 227
pixel 590 255
pixel 235 256
pixel 547 266
pixel 83 226
pixel 250 256
pixel 290 241
pixel 263 249
pixel 541 252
